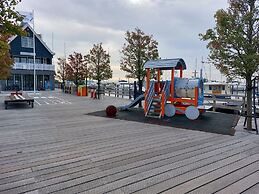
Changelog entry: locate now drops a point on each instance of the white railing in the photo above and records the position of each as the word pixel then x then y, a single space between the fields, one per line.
pixel 30 66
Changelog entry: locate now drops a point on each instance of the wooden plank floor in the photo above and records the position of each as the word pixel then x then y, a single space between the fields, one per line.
pixel 56 148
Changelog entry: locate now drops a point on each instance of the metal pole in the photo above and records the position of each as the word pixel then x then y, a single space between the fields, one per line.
pixel 254 84
pixel 22 81
pixel 34 58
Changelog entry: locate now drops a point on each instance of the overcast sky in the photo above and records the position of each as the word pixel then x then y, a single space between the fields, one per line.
pixel 175 24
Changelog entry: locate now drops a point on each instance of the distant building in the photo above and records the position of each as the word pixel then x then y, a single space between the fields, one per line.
pixel 22 73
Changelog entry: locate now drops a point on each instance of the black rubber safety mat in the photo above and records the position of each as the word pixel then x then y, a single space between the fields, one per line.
pixel 213 122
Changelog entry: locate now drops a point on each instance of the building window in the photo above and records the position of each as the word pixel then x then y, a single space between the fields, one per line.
pixel 23 60
pixel 27 42
pixel 16 59
pixel 44 61
pixel 210 87
pixel 38 61
pixel 30 60
pixel 48 61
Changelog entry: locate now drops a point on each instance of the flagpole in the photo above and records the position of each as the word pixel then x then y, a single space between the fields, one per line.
pixel 34 56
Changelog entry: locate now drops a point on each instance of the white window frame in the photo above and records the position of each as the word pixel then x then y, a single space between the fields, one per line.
pixel 27 42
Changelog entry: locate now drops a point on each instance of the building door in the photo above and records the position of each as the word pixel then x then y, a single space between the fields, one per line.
pixel 40 82
pixel 17 82
pixel 28 82
pixel 10 83
pixel 46 82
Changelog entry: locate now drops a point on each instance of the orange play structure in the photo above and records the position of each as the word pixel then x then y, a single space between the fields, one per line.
pixel 175 96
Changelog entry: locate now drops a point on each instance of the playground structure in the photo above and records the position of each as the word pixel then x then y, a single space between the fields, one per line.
pixel 175 96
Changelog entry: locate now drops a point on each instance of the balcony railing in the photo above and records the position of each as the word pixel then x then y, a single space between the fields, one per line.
pixel 30 66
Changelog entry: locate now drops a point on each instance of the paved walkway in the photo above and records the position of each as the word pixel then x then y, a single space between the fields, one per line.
pixel 56 148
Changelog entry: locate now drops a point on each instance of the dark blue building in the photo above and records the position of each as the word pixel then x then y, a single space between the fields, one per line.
pixel 22 73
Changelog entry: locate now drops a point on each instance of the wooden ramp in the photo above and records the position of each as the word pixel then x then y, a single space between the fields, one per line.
pixel 62 150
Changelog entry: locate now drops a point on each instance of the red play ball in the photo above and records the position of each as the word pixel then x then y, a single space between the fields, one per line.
pixel 111 111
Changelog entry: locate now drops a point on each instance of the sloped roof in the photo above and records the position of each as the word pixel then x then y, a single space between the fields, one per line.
pixel 36 36
pixel 165 64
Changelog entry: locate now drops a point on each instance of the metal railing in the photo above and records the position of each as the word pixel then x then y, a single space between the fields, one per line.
pixel 165 95
pixel 149 96
pixel 30 66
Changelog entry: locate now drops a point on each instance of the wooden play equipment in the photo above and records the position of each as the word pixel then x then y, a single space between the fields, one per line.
pixel 176 96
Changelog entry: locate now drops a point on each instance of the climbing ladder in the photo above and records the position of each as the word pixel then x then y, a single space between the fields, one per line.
pixel 156 103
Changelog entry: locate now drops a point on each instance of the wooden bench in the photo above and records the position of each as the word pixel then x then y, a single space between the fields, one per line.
pixel 18 97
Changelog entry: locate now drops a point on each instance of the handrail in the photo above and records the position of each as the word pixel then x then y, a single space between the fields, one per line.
pixel 149 96
pixel 164 96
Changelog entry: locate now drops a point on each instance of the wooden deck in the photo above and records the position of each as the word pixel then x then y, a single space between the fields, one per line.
pixel 56 148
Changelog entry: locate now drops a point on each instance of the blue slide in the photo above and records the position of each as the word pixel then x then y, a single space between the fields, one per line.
pixel 133 103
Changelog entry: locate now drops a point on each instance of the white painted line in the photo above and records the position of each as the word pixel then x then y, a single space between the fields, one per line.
pixel 64 101
pixel 46 102
pixel 52 101
pixel 37 102
pixel 36 97
pixel 51 97
pixel 43 97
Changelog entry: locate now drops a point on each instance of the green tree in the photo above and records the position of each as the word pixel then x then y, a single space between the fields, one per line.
pixel 74 71
pixel 62 71
pixel 9 26
pixel 233 44
pixel 99 68
pixel 138 49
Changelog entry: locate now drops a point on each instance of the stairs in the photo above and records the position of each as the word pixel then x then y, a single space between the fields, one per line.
pixel 154 103
pixel 154 110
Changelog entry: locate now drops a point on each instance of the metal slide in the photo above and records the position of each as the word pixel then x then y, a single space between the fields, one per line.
pixel 133 103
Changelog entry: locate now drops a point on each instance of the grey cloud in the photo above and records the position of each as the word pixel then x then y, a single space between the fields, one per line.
pixel 81 23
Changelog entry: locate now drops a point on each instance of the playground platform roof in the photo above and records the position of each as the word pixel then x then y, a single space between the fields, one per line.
pixel 165 64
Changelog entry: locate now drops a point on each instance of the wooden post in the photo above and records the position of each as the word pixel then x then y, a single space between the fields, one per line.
pixel 172 87
pixel 148 79
pixel 147 88
pixel 158 79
